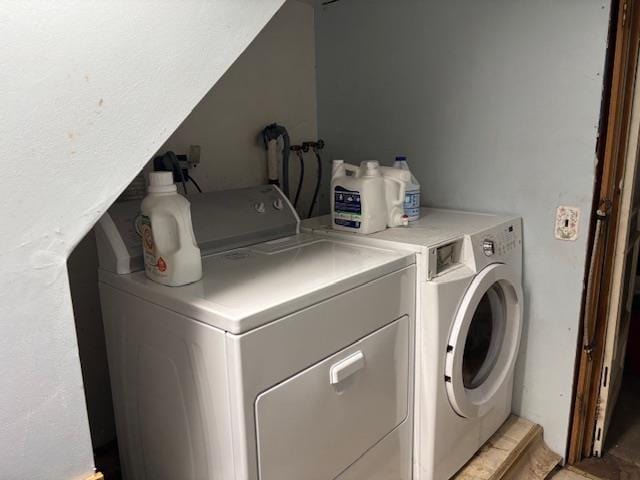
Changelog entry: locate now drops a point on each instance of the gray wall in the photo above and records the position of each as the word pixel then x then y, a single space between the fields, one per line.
pixel 496 104
pixel 274 80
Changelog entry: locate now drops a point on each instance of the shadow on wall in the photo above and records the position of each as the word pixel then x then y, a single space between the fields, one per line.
pixel 82 266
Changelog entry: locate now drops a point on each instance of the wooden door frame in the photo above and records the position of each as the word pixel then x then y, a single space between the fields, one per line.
pixel 625 256
pixel 619 80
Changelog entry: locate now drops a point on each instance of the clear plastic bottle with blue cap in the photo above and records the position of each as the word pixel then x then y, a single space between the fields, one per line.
pixel 412 195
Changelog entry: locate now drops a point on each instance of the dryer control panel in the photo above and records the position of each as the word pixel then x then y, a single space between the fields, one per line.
pixel 221 221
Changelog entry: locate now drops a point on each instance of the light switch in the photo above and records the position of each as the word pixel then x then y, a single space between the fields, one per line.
pixel 567 222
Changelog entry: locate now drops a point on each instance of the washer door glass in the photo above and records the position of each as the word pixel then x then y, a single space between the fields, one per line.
pixel 483 342
pixel 485 337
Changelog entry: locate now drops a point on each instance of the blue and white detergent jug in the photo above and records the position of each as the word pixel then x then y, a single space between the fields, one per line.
pixel 412 197
pixel 368 198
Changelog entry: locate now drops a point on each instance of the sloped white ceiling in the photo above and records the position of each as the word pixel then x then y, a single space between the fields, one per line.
pixel 90 91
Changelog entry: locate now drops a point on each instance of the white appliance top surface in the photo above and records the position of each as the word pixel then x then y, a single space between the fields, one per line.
pixel 434 227
pixel 248 287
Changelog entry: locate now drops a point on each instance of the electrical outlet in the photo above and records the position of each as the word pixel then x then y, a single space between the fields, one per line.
pixel 194 156
pixel 567 222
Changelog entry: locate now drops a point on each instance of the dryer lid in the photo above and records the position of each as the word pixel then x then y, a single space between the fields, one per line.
pixel 484 339
pixel 248 287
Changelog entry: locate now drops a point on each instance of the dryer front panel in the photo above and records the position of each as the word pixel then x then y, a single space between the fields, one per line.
pixel 484 339
pixel 319 422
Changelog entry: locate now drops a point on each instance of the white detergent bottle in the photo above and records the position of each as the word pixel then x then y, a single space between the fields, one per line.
pixel 171 254
pixel 396 181
pixel 358 201
pixel 412 197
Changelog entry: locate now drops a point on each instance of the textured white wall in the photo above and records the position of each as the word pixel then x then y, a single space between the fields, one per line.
pixel 496 103
pixel 91 90
pixel 272 81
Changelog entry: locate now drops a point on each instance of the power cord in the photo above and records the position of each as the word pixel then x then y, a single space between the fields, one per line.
pixel 176 167
pixel 193 180
pixel 168 162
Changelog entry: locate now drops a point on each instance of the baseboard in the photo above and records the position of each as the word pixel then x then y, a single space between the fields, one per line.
pixel 96 476
pixel 516 451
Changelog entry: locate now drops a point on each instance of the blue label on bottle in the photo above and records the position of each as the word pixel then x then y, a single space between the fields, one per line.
pixel 347 210
pixel 412 204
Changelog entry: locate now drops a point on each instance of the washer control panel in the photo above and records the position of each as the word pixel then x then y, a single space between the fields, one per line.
pixel 501 242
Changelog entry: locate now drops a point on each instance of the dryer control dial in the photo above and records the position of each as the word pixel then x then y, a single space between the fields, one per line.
pixel 488 247
pixel 259 207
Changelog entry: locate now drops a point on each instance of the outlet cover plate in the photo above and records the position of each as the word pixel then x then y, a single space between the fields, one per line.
pixel 567 222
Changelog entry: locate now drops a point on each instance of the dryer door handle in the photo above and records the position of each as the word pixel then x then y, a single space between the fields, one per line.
pixel 345 368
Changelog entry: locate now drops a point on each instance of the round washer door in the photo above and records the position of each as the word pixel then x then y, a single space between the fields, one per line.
pixel 483 343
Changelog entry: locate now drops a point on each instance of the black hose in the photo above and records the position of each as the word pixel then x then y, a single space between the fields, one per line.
pixel 285 161
pixel 192 180
pixel 299 153
pixel 318 181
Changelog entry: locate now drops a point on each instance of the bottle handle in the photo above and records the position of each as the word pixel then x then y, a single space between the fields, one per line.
pixel 352 168
pixel 402 191
pixel 185 235
pixel 161 221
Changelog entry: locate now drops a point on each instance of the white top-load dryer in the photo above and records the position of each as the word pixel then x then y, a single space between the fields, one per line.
pixel 468 325
pixel 290 359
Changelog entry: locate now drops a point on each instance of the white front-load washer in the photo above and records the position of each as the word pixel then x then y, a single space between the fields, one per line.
pixel 468 325
pixel 291 359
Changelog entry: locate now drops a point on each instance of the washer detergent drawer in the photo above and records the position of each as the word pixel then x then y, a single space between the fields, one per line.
pixel 314 425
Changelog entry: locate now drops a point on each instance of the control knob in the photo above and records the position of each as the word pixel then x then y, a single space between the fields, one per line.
pixel 488 247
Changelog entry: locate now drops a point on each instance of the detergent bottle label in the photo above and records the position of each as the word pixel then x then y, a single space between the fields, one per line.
pixel 153 263
pixel 412 204
pixel 147 240
pixel 347 207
